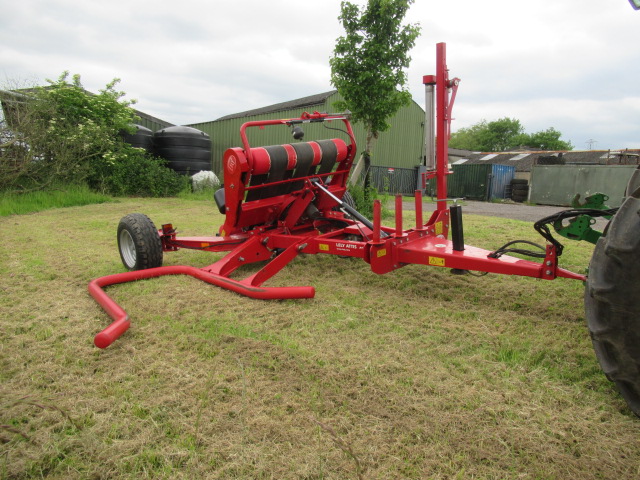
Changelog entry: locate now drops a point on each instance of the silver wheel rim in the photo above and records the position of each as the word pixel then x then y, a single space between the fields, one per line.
pixel 127 248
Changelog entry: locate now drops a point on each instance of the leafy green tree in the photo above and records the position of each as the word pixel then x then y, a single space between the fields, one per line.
pixel 506 134
pixel 502 134
pixel 63 134
pixel 486 136
pixel 368 65
pixel 468 138
pixel 548 139
pixel 65 131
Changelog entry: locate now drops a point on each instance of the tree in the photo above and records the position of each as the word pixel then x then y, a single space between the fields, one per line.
pixel 368 65
pixel 63 131
pixel 468 138
pixel 506 134
pixel 548 139
pixel 63 134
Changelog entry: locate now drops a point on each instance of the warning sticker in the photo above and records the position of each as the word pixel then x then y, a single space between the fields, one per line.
pixel 232 163
pixel 381 253
pixel 438 228
pixel 436 261
pixel 323 247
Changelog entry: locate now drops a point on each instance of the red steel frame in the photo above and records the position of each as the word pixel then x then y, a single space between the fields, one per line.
pixel 275 230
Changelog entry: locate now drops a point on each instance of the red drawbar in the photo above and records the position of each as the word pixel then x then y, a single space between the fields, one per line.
pixel 120 318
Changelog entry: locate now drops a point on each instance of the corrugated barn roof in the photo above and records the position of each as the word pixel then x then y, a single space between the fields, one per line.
pixel 316 99
pixel 525 160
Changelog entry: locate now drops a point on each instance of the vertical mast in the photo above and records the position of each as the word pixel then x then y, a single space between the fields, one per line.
pixel 438 167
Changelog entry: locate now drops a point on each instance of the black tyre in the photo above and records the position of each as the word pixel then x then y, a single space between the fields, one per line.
pixel 612 302
pixel 634 182
pixel 139 243
pixel 519 181
pixel 348 199
pixel 519 189
pixel 518 197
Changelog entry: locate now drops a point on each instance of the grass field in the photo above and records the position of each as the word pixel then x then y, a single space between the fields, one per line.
pixel 416 374
pixel 64 196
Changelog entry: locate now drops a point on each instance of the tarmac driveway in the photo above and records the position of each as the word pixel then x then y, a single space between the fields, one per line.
pixel 515 211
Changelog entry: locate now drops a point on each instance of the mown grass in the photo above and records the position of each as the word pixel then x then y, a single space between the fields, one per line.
pixel 37 201
pixel 414 374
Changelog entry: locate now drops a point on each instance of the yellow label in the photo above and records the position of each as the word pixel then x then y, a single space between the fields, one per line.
pixel 382 252
pixel 438 228
pixel 323 247
pixel 223 233
pixel 436 261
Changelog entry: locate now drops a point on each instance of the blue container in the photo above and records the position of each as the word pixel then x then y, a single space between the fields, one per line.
pixel 501 176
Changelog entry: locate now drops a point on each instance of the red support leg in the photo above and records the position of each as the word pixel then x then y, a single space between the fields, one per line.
pixel 399 232
pixel 377 222
pixel 418 207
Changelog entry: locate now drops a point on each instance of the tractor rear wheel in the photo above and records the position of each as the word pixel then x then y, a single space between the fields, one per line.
pixel 139 242
pixel 612 301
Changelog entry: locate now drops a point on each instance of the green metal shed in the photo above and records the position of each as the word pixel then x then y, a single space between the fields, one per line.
pixel 400 146
pixel 151 122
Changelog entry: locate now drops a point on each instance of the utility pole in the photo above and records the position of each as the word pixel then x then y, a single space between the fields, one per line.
pixel 591 142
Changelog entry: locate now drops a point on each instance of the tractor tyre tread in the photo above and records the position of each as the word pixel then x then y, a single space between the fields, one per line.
pixel 348 199
pixel 612 303
pixel 146 240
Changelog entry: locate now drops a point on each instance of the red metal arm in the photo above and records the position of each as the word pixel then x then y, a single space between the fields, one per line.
pixel 120 318
pixel 304 118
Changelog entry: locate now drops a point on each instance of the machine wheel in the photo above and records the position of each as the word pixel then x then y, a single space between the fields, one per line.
pixel 139 243
pixel 612 303
pixel 348 199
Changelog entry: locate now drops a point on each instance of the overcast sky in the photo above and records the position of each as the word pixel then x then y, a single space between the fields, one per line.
pixel 569 64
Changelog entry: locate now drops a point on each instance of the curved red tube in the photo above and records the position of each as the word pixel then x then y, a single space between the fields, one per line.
pixel 120 318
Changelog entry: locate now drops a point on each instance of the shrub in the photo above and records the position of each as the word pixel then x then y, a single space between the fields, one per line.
pixel 56 134
pixel 131 171
pixel 364 197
